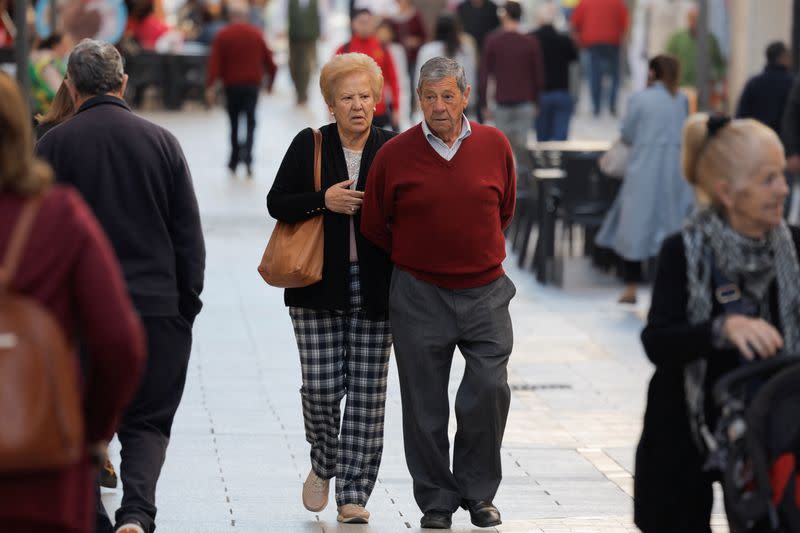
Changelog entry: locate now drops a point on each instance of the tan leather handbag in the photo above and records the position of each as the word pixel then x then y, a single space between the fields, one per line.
pixel 41 417
pixel 293 257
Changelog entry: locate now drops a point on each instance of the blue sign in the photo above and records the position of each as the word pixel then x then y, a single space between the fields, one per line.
pixel 103 20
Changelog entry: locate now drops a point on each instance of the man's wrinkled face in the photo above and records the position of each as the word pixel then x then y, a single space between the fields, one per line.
pixel 443 104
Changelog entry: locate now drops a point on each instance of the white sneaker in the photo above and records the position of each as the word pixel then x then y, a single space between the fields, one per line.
pixel 315 492
pixel 130 528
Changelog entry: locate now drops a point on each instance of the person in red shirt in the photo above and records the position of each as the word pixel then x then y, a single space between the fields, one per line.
pixel 600 27
pixel 240 57
pixel 145 26
pixel 438 198
pixel 363 26
pixel 67 266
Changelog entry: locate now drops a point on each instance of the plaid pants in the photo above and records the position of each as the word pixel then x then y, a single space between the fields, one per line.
pixel 344 353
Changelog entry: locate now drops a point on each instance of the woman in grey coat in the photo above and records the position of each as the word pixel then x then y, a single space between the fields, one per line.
pixel 654 198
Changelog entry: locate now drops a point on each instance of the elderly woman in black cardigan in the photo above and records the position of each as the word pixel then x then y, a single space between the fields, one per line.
pixel 340 323
pixel 738 238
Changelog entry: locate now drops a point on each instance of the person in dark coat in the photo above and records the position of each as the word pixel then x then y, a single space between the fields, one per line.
pixel 340 323
pixel 134 176
pixel 689 336
pixel 555 102
pixel 790 129
pixel 764 96
pixel 68 267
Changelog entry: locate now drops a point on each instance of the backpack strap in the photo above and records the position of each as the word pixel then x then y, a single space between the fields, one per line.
pixel 19 237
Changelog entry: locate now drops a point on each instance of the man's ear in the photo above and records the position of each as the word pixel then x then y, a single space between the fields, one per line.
pixel 123 86
pixel 73 92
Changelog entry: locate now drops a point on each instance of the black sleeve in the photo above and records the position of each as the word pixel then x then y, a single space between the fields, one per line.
pixel 791 122
pixel 668 338
pixel 744 109
pixel 187 238
pixel 292 197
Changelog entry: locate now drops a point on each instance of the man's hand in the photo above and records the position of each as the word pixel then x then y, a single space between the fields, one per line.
pixel 487 114
pixel 793 163
pixel 752 336
pixel 395 120
pixel 211 96
pixel 340 199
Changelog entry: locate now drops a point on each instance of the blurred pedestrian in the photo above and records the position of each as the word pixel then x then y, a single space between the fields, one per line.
pixel 514 61
pixel 409 30
pixel 438 198
pixel 430 10
pixel 61 109
pixel 683 45
pixel 144 25
pixel 450 41
pixel 386 36
pixel 340 323
pixel 47 65
pixel 791 129
pixel 240 58
pixel 764 96
pixel 478 18
pixel 654 199
pixel 555 103
pixel 363 25
pixel 134 176
pixel 600 27
pixel 302 21
pixel 66 265
pixel 692 337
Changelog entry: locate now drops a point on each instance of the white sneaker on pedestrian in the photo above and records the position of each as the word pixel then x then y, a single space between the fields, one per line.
pixel 315 492
pixel 351 513
pixel 130 528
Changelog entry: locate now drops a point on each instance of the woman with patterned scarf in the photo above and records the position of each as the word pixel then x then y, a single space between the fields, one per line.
pixel 739 242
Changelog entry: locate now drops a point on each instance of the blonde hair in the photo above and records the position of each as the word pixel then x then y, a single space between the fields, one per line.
pixel 728 155
pixel 19 171
pixel 61 108
pixel 345 64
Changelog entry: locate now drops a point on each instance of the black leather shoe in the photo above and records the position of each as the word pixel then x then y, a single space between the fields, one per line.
pixel 436 520
pixel 482 514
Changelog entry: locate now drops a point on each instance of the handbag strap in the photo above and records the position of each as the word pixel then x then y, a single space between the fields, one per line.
pixel 19 237
pixel 317 160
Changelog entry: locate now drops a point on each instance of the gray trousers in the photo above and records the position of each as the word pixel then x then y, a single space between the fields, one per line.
pixel 515 121
pixel 427 324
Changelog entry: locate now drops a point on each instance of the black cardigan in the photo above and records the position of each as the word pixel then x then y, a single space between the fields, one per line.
pixel 292 199
pixel 666 450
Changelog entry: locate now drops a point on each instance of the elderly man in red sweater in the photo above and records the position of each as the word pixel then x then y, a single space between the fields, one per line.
pixel 438 198
pixel 240 57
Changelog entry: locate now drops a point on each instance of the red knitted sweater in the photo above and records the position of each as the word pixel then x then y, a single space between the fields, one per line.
pixel 442 221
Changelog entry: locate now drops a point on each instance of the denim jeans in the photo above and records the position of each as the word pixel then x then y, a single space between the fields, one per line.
pixel 555 112
pixel 603 60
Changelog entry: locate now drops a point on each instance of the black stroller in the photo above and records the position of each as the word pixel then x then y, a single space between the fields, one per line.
pixel 756 445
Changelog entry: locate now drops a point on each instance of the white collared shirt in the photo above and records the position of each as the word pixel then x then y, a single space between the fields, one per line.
pixel 440 146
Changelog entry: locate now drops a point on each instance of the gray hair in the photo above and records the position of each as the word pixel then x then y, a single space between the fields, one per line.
pixel 95 68
pixel 439 68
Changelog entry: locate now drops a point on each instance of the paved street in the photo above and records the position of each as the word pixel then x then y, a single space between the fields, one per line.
pixel 238 454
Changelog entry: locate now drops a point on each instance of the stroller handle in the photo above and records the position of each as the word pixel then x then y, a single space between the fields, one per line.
pixel 765 367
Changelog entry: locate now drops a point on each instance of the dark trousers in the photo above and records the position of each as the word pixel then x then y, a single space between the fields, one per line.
pixel 147 423
pixel 555 112
pixel 241 100
pixel 302 56
pixel 428 323
pixel 603 61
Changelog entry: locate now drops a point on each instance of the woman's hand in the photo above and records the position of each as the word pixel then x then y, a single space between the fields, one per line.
pixel 752 336
pixel 340 199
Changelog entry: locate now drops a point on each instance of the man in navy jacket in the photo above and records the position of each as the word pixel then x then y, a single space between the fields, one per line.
pixel 133 174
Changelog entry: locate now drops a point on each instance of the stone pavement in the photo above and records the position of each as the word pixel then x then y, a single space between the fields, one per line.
pixel 238 454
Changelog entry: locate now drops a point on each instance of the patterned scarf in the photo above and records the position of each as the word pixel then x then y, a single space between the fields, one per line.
pixel 756 262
